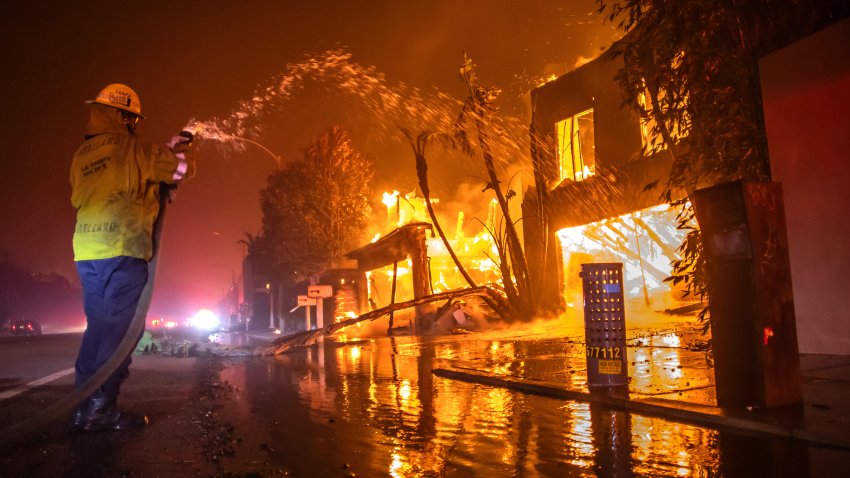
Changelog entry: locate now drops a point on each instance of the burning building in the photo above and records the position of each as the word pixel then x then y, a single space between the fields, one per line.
pixel 593 200
pixel 405 261
pixel 410 261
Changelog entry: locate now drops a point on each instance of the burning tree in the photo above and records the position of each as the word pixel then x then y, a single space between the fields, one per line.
pixel 691 72
pixel 314 209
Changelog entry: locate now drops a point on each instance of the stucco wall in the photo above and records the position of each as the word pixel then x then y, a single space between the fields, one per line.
pixel 806 92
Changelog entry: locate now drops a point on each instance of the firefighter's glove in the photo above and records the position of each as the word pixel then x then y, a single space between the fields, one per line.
pixel 179 146
pixel 180 142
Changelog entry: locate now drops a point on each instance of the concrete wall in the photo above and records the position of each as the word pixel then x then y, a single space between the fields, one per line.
pixel 806 92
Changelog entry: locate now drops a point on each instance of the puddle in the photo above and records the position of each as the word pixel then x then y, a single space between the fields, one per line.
pixel 375 409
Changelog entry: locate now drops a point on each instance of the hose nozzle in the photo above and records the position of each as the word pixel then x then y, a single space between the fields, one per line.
pixel 188 135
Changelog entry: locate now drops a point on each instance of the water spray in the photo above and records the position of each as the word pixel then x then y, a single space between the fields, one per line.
pixel 211 131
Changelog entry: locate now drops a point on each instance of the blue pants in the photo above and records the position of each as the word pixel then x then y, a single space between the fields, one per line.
pixel 111 291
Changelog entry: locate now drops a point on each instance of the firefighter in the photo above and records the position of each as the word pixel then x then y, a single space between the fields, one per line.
pixel 115 187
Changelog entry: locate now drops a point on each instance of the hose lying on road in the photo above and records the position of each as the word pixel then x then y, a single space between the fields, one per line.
pixel 63 407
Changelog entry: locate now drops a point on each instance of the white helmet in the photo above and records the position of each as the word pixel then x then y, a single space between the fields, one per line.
pixel 119 96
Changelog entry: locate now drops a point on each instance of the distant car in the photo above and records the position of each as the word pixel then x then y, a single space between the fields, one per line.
pixel 26 327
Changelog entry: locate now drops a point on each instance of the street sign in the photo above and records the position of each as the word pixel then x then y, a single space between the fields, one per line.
pixel 320 291
pixel 306 301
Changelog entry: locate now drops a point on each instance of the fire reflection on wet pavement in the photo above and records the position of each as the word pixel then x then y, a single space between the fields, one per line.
pixel 373 407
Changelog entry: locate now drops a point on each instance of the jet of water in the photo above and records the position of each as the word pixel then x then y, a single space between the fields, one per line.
pixel 211 131
pixel 383 109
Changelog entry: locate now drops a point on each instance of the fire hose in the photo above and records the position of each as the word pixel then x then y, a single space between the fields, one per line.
pixel 63 407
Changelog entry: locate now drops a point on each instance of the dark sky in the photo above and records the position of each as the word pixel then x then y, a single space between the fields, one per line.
pixel 198 59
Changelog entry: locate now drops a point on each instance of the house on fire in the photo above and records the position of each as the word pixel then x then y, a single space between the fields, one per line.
pixel 590 201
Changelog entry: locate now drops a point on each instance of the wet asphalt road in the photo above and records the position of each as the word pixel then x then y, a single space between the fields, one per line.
pixel 180 395
pixel 28 358
pixel 373 408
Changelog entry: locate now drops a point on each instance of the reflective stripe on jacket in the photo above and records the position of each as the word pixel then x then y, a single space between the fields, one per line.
pixel 115 180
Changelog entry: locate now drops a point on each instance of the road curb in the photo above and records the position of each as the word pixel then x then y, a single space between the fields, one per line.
pixel 690 413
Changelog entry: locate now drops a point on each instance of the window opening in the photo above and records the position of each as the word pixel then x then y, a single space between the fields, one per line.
pixel 576 147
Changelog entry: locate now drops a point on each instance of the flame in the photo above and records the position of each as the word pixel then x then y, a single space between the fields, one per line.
pixel 476 251
pixel 644 241
pixel 585 173
pixel 401 271
pixel 547 79
pixel 390 199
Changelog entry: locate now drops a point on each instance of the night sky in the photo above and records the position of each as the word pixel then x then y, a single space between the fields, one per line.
pixel 198 59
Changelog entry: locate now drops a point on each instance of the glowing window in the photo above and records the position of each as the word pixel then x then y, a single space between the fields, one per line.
pixel 650 134
pixel 647 126
pixel 576 147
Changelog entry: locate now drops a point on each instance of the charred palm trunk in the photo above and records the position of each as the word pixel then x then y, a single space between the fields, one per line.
pixel 513 246
pixel 422 174
pixel 479 102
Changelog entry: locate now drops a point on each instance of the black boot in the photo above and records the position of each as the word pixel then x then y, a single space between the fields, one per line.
pixel 80 416
pixel 103 414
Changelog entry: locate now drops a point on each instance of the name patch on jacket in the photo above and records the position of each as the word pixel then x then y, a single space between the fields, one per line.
pixel 95 166
pixel 97 227
pixel 96 143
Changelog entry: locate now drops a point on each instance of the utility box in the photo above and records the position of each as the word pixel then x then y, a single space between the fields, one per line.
pixel 604 324
pixel 753 328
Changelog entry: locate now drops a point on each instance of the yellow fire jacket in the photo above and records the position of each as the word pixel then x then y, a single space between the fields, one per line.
pixel 115 180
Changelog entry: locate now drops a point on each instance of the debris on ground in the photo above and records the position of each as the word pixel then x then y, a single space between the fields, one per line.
pixel 163 344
